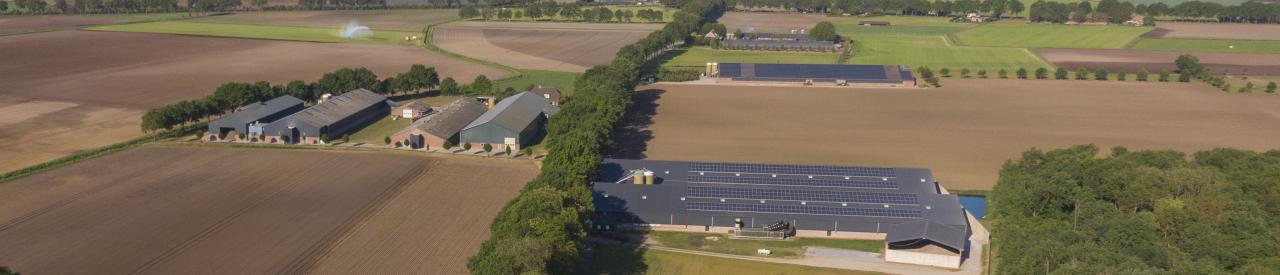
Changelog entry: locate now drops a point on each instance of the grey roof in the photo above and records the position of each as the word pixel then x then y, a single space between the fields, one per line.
pixel 547 92
pixel 787 36
pixel 911 233
pixel 515 112
pixel 450 119
pixel 415 105
pixel 258 110
pixel 338 107
pixel 817 72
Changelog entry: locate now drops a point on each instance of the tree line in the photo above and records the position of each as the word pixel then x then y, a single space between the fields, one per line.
pixel 542 230
pixel 1112 11
pixel 548 10
pixel 231 95
pixel 1068 211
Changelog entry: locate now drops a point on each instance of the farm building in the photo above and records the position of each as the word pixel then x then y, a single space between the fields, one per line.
pixel 780 42
pixel 813 74
pixel 513 122
pixel 549 93
pixel 444 125
pixel 904 206
pixel 411 110
pixel 249 119
pixel 337 116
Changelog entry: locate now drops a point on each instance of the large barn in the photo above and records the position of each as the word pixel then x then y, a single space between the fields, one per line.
pixel 514 122
pixel 441 127
pixel 905 206
pixel 813 74
pixel 248 119
pixel 333 118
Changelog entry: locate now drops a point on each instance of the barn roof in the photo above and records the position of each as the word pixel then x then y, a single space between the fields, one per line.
pixel 786 36
pixel 515 112
pixel 911 233
pixel 450 119
pixel 416 106
pixel 816 72
pixel 550 93
pixel 258 110
pixel 338 107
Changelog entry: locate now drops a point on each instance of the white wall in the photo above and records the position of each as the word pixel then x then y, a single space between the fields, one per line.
pixel 920 258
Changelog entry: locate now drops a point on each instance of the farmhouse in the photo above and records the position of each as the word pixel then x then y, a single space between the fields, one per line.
pixel 411 110
pixel 441 127
pixel 549 93
pixel 249 119
pixel 332 118
pixel 903 206
pixel 813 74
pixel 513 122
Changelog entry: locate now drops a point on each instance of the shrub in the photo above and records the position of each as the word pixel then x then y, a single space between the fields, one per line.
pixel 1183 77
pixel 347 138
pixel 933 81
pixel 945 72
pixel 507 150
pixel 982 73
pixel 1100 74
pixel 1003 73
pixel 466 146
pixel 1142 74
pixel 665 74
pixel 448 145
pixel 925 72
pixel 1022 73
pixel 1042 73
pixel 964 72
pixel 386 140
pixel 1082 73
pixel 528 152
pixel 1121 76
pixel 1164 76
pixel 1226 88
pixel 487 148
pixel 1060 74
pixel 1271 87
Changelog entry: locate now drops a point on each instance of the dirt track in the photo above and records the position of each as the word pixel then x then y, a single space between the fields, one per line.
pixel 110 78
pixel 184 210
pixel 1154 61
pixel 963 131
pixel 770 22
pixel 569 47
pixel 1216 31
pixel 24 24
pixel 404 20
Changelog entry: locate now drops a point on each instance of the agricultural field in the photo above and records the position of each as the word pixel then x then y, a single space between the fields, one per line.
pixel 57 91
pixel 770 22
pixel 311 34
pixel 563 47
pixel 699 56
pixel 615 259
pixel 1238 31
pixel 1022 35
pixel 178 209
pixel 1208 45
pixel 964 131
pixel 39 23
pixel 667 14
pixel 398 20
pixel 1154 61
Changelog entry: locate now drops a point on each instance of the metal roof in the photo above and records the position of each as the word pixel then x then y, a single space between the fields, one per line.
pixel 816 72
pixel 911 233
pixel 416 106
pixel 550 93
pixel 515 112
pixel 338 107
pixel 257 111
pixel 450 119
pixel 787 36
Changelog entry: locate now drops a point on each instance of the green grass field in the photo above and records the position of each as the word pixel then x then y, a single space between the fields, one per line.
pixel 789 248
pixel 561 80
pixel 1020 35
pixel 901 25
pixel 1208 45
pixel 610 259
pixel 699 56
pixel 257 32
pixel 377 132
pixel 933 51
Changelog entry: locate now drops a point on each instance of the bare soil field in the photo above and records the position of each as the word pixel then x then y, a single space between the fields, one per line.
pixel 1216 31
pixel 567 47
pixel 25 24
pixel 1154 61
pixel 770 22
pixel 964 131
pixel 110 78
pixel 403 20
pixel 189 210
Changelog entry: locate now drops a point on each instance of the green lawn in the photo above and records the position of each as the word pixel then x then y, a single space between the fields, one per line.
pixel 561 80
pixel 1208 45
pixel 901 25
pixel 699 56
pixel 256 31
pixel 610 259
pixel 788 248
pixel 377 132
pixel 933 51
pixel 1020 35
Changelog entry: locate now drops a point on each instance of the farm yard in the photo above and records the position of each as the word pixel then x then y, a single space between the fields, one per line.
pixel 564 47
pixel 179 209
pixel 1154 61
pixel 398 20
pixel 64 91
pixel 964 131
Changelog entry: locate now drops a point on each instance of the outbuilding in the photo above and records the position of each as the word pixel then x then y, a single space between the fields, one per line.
pixel 551 94
pixel 248 119
pixel 814 74
pixel 337 116
pixel 411 110
pixel 440 127
pixel 513 122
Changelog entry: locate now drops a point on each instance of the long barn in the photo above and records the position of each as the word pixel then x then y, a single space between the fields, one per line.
pixel 248 119
pixel 813 74
pixel 333 118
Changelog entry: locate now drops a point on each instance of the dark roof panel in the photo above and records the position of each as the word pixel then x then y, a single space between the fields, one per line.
pixel 816 72
pixel 515 112
pixel 258 110
pixel 338 107
pixel 910 233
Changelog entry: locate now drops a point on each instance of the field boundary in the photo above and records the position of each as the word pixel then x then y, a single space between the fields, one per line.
pixel 429 41
pixel 96 152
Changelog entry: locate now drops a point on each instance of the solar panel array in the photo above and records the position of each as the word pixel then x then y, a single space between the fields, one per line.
pixel 801 195
pixel 787 169
pixel 806 209
pixel 792 181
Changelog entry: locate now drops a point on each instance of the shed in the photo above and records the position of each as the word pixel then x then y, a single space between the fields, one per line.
pixel 243 120
pixel 926 242
pixel 549 93
pixel 513 122
pixel 413 109
pixel 337 116
pixel 434 130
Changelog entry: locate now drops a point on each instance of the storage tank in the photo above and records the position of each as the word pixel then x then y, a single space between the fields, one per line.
pixel 648 177
pixel 637 177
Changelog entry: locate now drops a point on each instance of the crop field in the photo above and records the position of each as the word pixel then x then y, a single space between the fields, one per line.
pixel 564 47
pixel 699 56
pixel 964 131
pixel 1216 31
pixel 401 20
pixel 311 34
pixel 1208 45
pixel 1154 61
pixel 22 24
pixel 935 52
pixel 1021 35
pixel 769 22
pixel 667 14
pixel 183 210
pixel 59 95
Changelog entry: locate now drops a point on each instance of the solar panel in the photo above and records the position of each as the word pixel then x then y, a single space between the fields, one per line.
pixel 787 169
pixel 824 181
pixel 801 195
pixel 805 209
